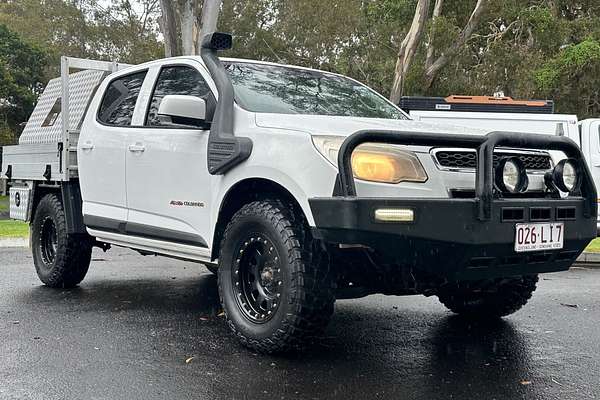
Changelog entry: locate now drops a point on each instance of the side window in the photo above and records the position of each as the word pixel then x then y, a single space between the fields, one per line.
pixel 119 99
pixel 176 80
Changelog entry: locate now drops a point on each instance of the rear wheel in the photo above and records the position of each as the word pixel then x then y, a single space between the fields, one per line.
pixel 274 280
pixel 489 298
pixel 61 260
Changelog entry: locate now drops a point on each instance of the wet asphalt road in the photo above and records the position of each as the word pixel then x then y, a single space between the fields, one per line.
pixel 127 332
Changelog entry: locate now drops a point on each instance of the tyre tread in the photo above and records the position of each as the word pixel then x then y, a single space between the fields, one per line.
pixel 489 299
pixel 312 290
pixel 72 259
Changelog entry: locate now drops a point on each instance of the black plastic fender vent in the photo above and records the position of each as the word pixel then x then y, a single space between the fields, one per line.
pixel 225 153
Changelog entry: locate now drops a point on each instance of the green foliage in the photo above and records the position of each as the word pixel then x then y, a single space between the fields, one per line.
pixel 547 78
pixel 524 48
pixel 576 59
pixel 86 28
pixel 572 77
pixel 21 76
pixel 35 33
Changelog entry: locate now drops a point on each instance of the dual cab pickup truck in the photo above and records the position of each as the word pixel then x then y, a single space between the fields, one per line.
pixel 296 186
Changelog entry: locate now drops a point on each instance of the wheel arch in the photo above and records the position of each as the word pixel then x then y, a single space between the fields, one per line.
pixel 245 191
pixel 70 196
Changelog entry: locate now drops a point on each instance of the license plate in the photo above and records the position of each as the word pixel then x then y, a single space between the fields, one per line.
pixel 535 237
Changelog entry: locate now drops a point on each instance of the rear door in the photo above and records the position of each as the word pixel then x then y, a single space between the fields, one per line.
pixel 168 183
pixel 101 153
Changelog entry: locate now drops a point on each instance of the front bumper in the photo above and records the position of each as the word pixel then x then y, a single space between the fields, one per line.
pixel 446 238
pixel 470 238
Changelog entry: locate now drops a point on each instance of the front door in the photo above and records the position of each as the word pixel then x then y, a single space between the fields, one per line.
pixel 167 175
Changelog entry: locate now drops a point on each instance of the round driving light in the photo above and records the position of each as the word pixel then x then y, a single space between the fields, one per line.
pixel 567 175
pixel 511 176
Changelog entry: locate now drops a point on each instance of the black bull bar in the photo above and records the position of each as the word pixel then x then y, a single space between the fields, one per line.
pixel 484 145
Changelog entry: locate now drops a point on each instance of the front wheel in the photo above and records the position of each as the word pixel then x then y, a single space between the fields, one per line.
pixel 274 279
pixel 488 298
pixel 61 259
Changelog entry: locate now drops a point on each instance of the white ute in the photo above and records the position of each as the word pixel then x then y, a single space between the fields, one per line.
pixel 296 186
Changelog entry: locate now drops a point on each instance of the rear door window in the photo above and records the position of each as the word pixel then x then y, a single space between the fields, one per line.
pixel 119 100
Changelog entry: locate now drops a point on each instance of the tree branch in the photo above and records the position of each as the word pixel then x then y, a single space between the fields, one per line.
pixel 168 26
pixel 408 48
pixel 465 34
pixel 437 11
pixel 188 22
pixel 210 17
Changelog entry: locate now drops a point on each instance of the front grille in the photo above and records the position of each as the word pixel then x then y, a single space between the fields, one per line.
pixel 468 159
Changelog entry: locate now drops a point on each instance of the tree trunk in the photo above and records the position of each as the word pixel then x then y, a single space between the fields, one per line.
pixel 437 11
pixel 408 48
pixel 210 17
pixel 168 25
pixel 188 20
pixel 432 71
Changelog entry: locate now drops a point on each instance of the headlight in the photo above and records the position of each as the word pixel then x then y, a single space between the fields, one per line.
pixel 567 176
pixel 511 175
pixel 375 162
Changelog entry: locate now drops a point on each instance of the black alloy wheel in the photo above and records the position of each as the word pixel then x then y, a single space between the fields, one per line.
pixel 257 278
pixel 275 281
pixel 49 242
pixel 61 259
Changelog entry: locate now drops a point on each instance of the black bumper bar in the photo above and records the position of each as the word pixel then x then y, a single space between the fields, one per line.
pixel 459 238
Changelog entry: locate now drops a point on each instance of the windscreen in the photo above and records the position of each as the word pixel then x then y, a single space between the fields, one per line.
pixel 286 90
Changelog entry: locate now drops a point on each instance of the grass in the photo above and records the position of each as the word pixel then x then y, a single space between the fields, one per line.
pixel 594 247
pixel 10 228
pixel 13 229
pixel 3 203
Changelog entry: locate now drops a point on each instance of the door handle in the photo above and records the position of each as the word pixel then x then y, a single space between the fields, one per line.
pixel 87 146
pixel 137 148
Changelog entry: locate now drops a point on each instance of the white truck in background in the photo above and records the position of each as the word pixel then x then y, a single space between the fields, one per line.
pixel 506 114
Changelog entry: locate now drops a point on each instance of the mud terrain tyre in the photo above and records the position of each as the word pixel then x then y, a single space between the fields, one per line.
pixel 61 260
pixel 490 298
pixel 274 280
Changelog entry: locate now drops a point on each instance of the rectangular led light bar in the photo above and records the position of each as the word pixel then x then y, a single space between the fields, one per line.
pixel 394 215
